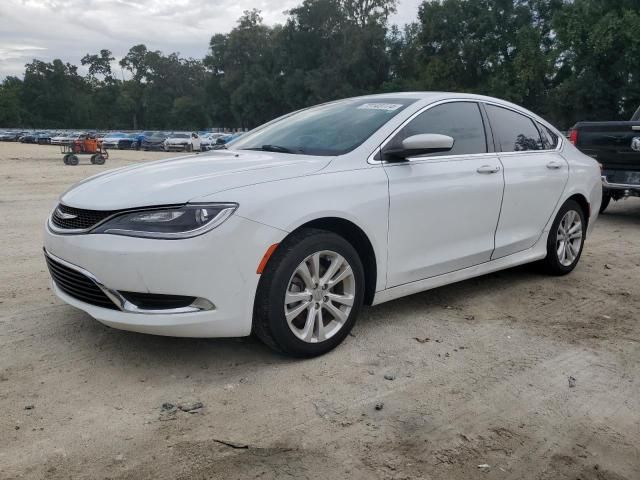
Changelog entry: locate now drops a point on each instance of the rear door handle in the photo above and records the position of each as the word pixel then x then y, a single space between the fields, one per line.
pixel 553 165
pixel 488 169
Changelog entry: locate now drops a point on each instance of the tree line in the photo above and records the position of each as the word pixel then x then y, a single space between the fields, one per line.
pixel 566 60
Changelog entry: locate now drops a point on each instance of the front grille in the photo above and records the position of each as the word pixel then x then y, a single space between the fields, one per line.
pixel 77 285
pixel 80 219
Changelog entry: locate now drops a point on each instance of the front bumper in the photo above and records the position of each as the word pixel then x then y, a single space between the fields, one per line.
pixel 152 146
pixel 175 146
pixel 218 267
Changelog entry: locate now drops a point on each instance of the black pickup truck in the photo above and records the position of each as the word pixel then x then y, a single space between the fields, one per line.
pixel 616 145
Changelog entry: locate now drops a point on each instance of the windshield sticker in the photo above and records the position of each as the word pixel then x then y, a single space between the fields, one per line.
pixel 389 107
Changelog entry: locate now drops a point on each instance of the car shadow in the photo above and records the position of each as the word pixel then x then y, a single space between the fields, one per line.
pixel 625 211
pixel 450 296
pixel 181 355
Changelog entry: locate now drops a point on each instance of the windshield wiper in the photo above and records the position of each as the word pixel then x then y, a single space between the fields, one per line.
pixel 275 148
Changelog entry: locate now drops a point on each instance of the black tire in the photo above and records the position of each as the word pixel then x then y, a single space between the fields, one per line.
pixel 65 159
pixel 269 323
pixel 551 263
pixel 606 199
pixel 72 160
pixel 98 159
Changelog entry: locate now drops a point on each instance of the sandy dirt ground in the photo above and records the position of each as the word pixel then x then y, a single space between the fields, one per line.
pixel 477 374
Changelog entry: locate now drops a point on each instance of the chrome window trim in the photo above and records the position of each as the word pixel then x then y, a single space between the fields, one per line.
pixel 198 305
pixel 372 161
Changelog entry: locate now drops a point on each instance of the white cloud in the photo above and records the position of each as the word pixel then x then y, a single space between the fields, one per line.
pixel 68 29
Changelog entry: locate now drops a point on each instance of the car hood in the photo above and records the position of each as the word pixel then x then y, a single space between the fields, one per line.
pixel 178 180
pixel 177 140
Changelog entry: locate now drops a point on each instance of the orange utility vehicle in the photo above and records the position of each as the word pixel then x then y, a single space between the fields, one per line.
pixel 84 145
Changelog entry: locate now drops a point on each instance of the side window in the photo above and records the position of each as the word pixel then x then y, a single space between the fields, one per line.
pixel 460 120
pixel 549 139
pixel 514 132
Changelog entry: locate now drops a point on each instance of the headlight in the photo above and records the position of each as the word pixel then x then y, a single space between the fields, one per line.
pixel 170 223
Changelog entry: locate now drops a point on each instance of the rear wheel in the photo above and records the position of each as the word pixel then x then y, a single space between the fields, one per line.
pixel 72 160
pixel 65 159
pixel 310 294
pixel 566 239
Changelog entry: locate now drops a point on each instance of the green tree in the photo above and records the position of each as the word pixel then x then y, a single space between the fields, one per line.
pixel 598 60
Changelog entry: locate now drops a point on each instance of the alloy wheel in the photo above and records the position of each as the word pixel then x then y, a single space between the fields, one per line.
pixel 319 296
pixel 569 238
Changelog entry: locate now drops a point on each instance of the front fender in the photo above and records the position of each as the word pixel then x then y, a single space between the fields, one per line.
pixel 360 196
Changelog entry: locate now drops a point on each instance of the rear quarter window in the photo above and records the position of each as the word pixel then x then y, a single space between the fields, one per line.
pixel 549 139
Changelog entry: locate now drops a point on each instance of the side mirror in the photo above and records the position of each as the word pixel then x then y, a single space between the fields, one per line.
pixel 421 144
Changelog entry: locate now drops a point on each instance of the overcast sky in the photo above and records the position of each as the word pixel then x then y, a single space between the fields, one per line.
pixel 68 29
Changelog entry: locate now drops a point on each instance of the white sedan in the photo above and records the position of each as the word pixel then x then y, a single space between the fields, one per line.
pixel 182 141
pixel 294 226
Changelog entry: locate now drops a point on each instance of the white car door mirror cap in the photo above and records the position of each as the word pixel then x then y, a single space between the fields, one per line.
pixel 421 144
pixel 428 141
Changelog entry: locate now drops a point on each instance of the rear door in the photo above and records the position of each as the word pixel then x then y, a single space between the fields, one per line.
pixel 535 175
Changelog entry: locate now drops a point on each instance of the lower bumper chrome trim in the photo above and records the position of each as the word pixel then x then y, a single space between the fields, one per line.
pixel 619 186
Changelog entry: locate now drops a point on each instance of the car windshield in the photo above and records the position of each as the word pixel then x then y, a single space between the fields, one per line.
pixel 330 129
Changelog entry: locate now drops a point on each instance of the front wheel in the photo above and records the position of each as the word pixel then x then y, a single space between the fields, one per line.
pixel 310 294
pixel 98 159
pixel 566 239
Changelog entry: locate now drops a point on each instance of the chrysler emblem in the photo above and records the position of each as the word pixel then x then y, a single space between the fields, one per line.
pixel 64 216
pixel 635 144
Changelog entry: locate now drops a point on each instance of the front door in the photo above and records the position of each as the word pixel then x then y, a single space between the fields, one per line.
pixel 444 207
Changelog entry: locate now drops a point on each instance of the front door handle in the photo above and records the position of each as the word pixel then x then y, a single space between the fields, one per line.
pixel 488 169
pixel 553 165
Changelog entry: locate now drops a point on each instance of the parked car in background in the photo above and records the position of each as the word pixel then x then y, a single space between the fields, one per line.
pixel 137 144
pixel 177 141
pixel 11 136
pixel 301 221
pixel 208 140
pixel 59 138
pixel 27 137
pixel 154 141
pixel 66 138
pixel 44 138
pixel 118 140
pixel 616 146
pixel 222 141
pixel 31 137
